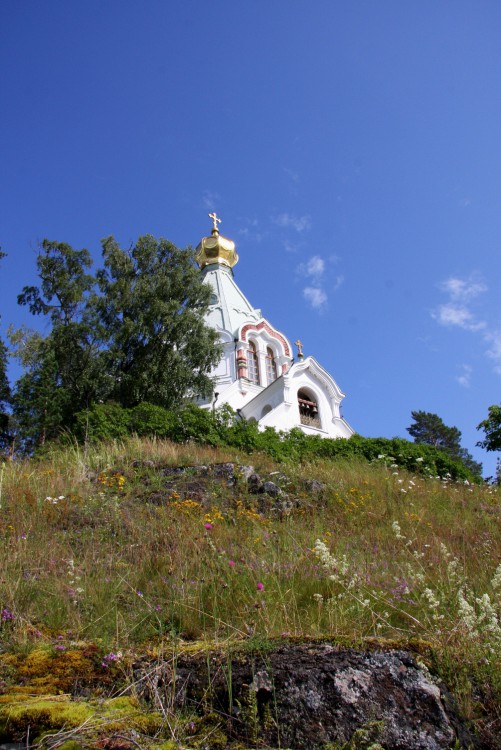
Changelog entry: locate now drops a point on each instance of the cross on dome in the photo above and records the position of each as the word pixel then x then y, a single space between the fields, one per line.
pixel 216 220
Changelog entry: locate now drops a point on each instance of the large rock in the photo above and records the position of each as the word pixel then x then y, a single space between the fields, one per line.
pixel 305 696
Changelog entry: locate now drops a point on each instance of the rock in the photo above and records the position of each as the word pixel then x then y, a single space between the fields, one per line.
pixel 246 471
pixel 314 486
pixel 271 489
pixel 304 696
pixel 254 484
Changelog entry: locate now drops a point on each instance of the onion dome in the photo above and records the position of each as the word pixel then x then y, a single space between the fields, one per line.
pixel 216 249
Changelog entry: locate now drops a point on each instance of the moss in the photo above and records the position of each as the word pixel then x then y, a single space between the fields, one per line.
pixel 18 713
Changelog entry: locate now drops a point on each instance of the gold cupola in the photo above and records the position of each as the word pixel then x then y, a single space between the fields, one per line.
pixel 216 249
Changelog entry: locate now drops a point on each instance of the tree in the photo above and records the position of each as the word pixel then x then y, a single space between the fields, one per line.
pixel 429 429
pixel 152 307
pixel 63 371
pixel 492 429
pixel 5 395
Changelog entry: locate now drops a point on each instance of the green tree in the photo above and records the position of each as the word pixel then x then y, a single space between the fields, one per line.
pixel 5 395
pixel 429 429
pixel 492 429
pixel 63 371
pixel 152 306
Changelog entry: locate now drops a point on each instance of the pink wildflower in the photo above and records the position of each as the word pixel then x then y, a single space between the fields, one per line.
pixel 208 526
pixel 231 563
pixel 260 586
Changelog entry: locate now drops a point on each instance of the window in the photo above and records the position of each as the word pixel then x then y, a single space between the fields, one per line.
pixel 271 366
pixel 252 364
pixel 308 409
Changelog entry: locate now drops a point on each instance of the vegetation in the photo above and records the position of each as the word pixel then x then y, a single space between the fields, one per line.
pixel 224 428
pixel 110 551
pixel 135 331
pixel 492 429
pixel 429 429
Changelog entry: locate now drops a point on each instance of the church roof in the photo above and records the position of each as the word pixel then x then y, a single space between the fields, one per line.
pixel 230 308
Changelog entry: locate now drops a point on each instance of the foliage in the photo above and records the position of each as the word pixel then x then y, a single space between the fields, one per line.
pixel 429 429
pixel 136 331
pixel 223 428
pixel 492 429
pixel 5 396
pixel 152 306
pixel 63 371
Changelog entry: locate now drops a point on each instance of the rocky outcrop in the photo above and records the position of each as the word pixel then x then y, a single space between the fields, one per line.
pixel 305 696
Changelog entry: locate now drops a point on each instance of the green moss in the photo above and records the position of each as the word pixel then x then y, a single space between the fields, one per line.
pixel 18 713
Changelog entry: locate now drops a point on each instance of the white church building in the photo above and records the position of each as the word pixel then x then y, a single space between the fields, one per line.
pixel 257 375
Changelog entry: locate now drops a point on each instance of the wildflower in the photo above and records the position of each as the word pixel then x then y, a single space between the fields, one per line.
pixel 397 530
pixel 140 593
pixel 59 647
pixel 231 563
pixel 419 460
pixel 496 579
pixel 260 586
pixel 6 615
pixel 208 526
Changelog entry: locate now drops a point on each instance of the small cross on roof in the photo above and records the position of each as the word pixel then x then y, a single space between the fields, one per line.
pixel 215 219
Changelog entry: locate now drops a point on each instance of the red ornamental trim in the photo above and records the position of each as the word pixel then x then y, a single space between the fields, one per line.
pixel 270 330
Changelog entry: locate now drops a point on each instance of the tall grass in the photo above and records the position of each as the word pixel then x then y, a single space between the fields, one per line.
pixel 378 553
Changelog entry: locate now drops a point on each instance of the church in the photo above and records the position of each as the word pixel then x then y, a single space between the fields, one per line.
pixel 258 375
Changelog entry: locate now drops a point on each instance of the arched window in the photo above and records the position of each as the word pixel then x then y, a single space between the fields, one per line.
pixel 308 409
pixel 271 366
pixel 252 363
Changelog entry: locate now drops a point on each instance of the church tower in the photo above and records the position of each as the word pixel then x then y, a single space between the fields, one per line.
pixel 257 375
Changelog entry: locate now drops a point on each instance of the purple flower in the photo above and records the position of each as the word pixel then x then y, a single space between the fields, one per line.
pixel 260 586
pixel 231 563
pixel 208 526
pixel 7 615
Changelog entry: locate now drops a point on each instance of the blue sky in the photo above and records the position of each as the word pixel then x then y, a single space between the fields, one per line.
pixel 352 150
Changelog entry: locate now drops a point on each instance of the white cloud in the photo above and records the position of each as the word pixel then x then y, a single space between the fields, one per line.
pixel 290 247
pixel 299 223
pixel 315 296
pixel 338 282
pixel 457 315
pixel 457 312
pixel 464 378
pixel 494 352
pixel 464 289
pixel 211 199
pixel 315 266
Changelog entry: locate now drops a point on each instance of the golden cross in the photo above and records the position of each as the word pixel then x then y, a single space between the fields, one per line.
pixel 216 220
pixel 299 348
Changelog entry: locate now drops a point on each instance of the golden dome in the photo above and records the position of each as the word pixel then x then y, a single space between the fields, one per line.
pixel 216 249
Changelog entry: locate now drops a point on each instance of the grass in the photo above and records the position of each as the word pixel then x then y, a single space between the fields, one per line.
pixel 376 553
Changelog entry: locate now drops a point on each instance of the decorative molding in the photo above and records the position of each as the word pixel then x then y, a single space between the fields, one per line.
pixel 264 325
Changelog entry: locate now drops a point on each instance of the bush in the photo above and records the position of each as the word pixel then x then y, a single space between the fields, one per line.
pixel 224 428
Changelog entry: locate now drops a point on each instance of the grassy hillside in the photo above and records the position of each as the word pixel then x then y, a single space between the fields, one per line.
pixel 116 547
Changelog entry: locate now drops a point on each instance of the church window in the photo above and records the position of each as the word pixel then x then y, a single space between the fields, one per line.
pixel 252 363
pixel 308 409
pixel 271 366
